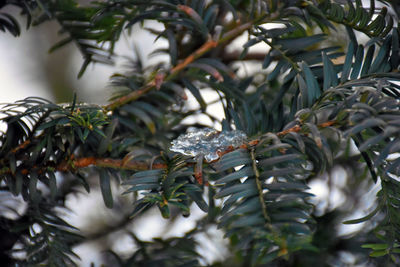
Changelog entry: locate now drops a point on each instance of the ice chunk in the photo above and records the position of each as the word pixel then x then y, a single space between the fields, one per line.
pixel 207 142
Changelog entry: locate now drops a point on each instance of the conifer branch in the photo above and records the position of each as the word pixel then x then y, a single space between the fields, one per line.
pixel 73 164
pixel 155 83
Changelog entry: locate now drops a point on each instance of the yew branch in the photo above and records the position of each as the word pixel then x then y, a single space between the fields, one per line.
pixel 206 47
pixel 72 164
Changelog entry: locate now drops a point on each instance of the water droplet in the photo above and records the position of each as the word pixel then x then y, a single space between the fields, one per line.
pixel 207 142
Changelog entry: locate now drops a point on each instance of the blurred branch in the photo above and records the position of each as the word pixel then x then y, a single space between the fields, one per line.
pixel 103 232
pixel 235 56
pixel 155 83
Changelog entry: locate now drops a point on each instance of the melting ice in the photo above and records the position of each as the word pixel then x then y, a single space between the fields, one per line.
pixel 207 142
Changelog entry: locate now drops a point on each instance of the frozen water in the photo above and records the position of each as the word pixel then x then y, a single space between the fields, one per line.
pixel 207 142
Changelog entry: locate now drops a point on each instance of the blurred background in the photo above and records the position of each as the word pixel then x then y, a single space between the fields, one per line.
pixel 27 68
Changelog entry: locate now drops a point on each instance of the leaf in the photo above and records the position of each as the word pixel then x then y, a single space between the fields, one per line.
pixel 142 187
pixel 52 184
pixel 196 196
pixel 376 139
pixel 209 69
pixel 136 152
pixel 13 164
pixel 330 76
pixel 365 218
pixel 265 115
pixel 382 56
pixel 235 175
pixel 143 180
pixel 365 18
pixel 391 147
pixel 394 58
pixel 19 179
pixel 280 172
pixel 393 167
pixel 82 180
pixel 236 119
pixel 278 146
pixel 105 142
pixel 231 9
pixel 250 119
pixel 33 193
pixel 233 159
pixel 357 63
pixel 234 198
pixel 165 212
pixel 248 221
pixel 147 174
pixel 141 115
pixel 300 43
pixel 84 66
pixel 251 42
pixel 105 187
pixel 144 15
pixel 376 246
pixel 367 61
pixel 248 206
pixel 367 123
pixel 140 206
pixel 267 61
pixel 216 64
pixel 315 134
pixel 173 49
pixel 379 253
pixel 286 186
pixel 299 140
pixel 289 216
pixel 378 24
pixel 60 44
pixel 196 93
pixel 196 18
pixel 303 92
pixel 48 124
pixel 246 186
pixel 210 15
pixel 347 62
pixel 276 70
pixel 274 161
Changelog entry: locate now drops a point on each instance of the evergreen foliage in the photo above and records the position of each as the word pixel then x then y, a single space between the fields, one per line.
pixel 314 102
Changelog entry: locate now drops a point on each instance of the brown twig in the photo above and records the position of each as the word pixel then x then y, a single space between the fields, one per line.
pixel 296 128
pixel 210 44
pixel 107 163
pixel 235 56
pixel 79 163
pixel 21 146
pixel 326 124
pixel 130 97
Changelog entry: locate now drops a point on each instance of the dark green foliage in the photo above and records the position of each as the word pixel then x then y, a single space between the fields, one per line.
pixel 282 225
pixel 171 252
pixel 46 237
pixel 310 105
pixel 173 186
